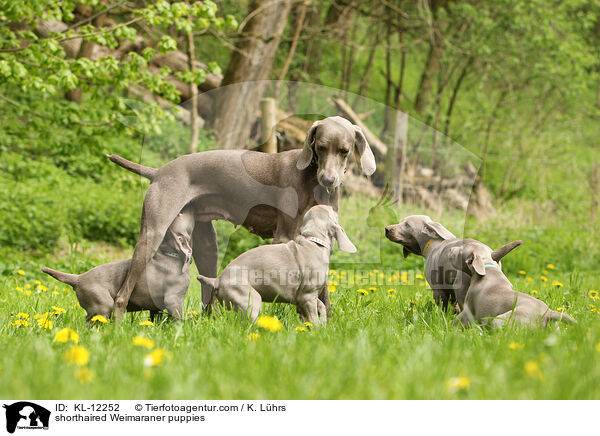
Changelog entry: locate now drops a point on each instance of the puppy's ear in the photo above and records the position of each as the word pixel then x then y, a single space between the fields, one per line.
pixel 307 151
pixel 184 247
pixel 436 230
pixel 367 160
pixel 344 242
pixel 405 252
pixel 475 262
pixel 498 254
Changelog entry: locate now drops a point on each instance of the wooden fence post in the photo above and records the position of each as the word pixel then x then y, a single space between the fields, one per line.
pixel 267 125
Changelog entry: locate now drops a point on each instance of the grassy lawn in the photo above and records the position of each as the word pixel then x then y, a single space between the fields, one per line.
pixel 380 344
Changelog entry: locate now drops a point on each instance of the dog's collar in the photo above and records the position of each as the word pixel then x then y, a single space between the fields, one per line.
pixel 318 241
pixel 491 265
pixel 426 247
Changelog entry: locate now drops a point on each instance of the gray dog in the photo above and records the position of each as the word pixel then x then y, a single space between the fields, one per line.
pixel 490 296
pixel 162 286
pixel 266 193
pixel 420 235
pixel 293 272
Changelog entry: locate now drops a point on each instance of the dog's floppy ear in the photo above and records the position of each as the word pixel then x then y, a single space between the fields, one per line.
pixel 498 254
pixel 367 160
pixel 405 252
pixel 307 150
pixel 344 243
pixel 475 261
pixel 436 230
pixel 183 244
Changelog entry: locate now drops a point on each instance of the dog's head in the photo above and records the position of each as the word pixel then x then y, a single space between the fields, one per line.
pixel 415 230
pixel 473 256
pixel 321 221
pixel 330 142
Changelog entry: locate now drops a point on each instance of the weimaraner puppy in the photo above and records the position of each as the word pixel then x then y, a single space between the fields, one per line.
pixel 294 272
pixel 163 284
pixel 422 236
pixel 266 193
pixel 490 296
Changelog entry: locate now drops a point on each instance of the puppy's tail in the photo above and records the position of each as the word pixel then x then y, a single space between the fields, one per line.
pixel 144 171
pixel 211 283
pixel 560 316
pixel 69 279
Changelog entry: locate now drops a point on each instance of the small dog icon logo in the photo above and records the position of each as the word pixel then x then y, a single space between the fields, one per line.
pixel 26 415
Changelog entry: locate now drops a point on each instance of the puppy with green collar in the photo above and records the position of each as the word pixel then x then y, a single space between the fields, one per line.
pixel 420 235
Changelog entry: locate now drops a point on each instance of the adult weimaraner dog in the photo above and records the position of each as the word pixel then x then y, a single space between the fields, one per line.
pixel 266 193
pixel 490 296
pixel 294 272
pixel 163 286
pixel 420 235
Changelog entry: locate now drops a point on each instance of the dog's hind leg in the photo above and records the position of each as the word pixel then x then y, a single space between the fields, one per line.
pixel 206 253
pixel 161 206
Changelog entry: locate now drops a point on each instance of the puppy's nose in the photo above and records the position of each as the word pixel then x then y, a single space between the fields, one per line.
pixel 388 229
pixel 328 180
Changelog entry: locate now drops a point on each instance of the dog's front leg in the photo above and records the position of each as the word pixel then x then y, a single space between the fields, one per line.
pixel 324 298
pixel 206 253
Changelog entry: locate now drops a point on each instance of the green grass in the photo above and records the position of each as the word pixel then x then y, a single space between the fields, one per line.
pixel 374 347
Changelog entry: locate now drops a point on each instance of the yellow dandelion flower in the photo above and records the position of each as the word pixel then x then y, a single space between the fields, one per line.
pixel 593 295
pixel 544 278
pixel 37 282
pixel 253 337
pixel 516 346
pixel 331 288
pixel 458 383
pixel 21 272
pixel 534 292
pixel 44 321
pixel 391 291
pixel 522 272
pixel 557 283
pixel 20 289
pixel 83 375
pixel 301 329
pixel 27 286
pixel 342 273
pixel 55 293
pixel 561 309
pixel 23 315
pixel 65 289
pixel 42 288
pixel 532 368
pixel 269 323
pixel 99 318
pixel 333 282
pixel 550 266
pixel 140 341
pixel 147 322
pixel 66 335
pixel 362 291
pixel 308 324
pixel 27 292
pixel 156 357
pixel 529 279
pixel 372 289
pixel 58 310
pixel 77 355
pixel 419 276
pixel 192 313
pixel 20 323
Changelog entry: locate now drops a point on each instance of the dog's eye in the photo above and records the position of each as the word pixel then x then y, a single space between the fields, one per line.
pixel 344 151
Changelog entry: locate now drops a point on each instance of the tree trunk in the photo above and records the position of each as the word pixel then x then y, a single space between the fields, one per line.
pixel 431 64
pixel 236 106
pixel 194 92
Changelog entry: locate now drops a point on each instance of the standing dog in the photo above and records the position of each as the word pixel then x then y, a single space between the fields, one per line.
pixel 419 235
pixel 163 284
pixel 294 272
pixel 266 193
pixel 490 296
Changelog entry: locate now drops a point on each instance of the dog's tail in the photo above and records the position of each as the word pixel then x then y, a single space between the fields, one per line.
pixel 211 283
pixel 144 171
pixel 69 279
pixel 553 315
